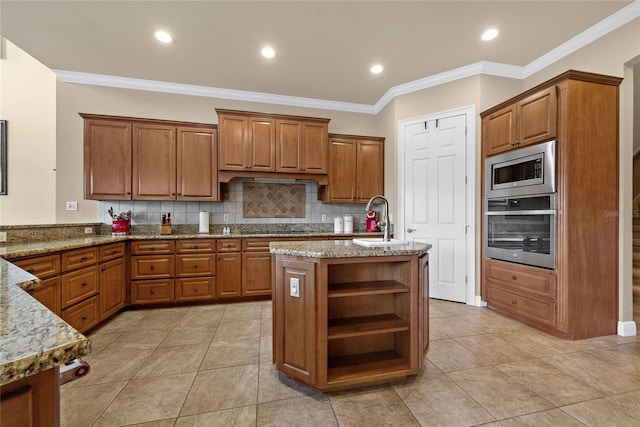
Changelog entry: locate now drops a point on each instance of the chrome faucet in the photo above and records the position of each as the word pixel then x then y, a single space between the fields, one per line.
pixel 385 222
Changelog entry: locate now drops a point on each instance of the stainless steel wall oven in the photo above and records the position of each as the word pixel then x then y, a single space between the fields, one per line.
pixel 520 206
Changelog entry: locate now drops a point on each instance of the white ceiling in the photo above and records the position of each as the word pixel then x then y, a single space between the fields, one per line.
pixel 324 48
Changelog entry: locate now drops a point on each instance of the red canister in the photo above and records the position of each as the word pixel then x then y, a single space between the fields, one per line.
pixel 120 227
pixel 371 222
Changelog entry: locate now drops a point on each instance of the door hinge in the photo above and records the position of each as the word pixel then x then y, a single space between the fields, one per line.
pixel 437 120
pixel 465 180
pixel 465 279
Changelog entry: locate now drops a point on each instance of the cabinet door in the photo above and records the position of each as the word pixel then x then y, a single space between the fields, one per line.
pixel 107 160
pixel 499 131
pixel 289 146
pixel 370 170
pixel 233 133
pixel 537 117
pixel 49 294
pixel 294 320
pixel 154 162
pixel 112 287
pixel 152 291
pixel 256 273
pixel 262 145
pixel 314 148
pixel 342 171
pixel 228 275
pixel 197 165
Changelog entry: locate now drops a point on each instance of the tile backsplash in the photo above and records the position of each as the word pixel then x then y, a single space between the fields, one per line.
pixel 150 212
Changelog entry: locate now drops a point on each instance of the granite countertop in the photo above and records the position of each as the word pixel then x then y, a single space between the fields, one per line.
pixel 344 249
pixel 19 250
pixel 32 338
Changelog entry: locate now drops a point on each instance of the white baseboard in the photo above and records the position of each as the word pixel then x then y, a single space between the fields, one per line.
pixel 627 329
pixel 478 302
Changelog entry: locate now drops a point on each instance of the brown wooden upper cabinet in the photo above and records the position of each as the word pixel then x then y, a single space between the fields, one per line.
pixel 356 169
pixel 257 142
pixel 247 143
pixel 144 159
pixel 532 120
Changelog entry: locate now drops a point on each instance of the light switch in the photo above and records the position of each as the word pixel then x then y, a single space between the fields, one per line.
pixel 294 287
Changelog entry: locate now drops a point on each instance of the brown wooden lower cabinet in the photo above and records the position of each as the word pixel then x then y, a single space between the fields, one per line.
pixel 195 289
pixel 354 321
pixel 152 291
pixel 31 401
pixel 112 287
pixel 83 316
pixel 49 294
pixel 228 275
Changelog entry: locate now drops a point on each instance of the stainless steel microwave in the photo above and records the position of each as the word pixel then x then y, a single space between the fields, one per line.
pixel 525 171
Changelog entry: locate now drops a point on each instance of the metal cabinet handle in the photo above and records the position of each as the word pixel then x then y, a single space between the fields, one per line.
pixel 513 301
pixel 195 289
pixel 152 267
pixel 31 270
pixel 152 291
pixel 513 277
pixel 84 317
pixel 195 265
pixel 83 258
pixel 411 230
pixel 83 284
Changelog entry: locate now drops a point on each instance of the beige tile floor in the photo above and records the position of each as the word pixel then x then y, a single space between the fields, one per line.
pixel 211 366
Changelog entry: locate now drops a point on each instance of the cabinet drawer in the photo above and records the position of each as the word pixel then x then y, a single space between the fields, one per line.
pixel 196 245
pixel 195 289
pixel 229 245
pixel 195 265
pixel 151 291
pixel 48 294
pixel 73 260
pixel 41 267
pixel 151 247
pixel 152 267
pixel 109 252
pixel 82 316
pixel 538 281
pixel 538 310
pixel 79 285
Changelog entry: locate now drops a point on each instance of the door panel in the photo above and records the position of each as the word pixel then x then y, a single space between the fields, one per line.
pixel 435 159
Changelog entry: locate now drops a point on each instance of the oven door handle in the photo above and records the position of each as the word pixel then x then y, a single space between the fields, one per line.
pixel 530 212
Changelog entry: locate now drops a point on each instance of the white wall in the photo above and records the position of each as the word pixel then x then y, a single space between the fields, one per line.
pixel 28 103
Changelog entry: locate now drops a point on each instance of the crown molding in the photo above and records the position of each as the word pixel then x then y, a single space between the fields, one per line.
pixel 602 28
pixel 208 92
pixel 611 23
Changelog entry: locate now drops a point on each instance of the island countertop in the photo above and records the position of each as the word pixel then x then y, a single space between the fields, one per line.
pixel 32 338
pixel 345 249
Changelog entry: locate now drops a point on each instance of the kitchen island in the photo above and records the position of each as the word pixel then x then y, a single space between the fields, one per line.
pixel 346 316
pixel 34 342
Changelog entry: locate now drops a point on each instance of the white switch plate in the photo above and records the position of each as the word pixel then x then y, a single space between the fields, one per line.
pixel 88 230
pixel 324 217
pixel 3 236
pixel 72 206
pixel 294 287
pixel 225 217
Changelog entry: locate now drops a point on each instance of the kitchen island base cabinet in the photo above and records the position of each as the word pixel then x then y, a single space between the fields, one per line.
pixel 347 322
pixel 31 401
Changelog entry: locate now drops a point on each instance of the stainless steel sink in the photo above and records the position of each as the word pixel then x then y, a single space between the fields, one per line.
pixel 378 242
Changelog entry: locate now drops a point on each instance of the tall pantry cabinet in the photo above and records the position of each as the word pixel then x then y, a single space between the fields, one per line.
pixel 579 299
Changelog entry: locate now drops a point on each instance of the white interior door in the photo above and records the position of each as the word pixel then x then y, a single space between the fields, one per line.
pixel 435 199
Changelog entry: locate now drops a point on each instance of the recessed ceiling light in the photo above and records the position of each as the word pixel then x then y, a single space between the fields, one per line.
pixel 164 37
pixel 268 52
pixel 490 34
pixel 377 69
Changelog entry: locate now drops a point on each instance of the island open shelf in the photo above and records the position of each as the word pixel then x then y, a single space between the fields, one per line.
pixel 341 322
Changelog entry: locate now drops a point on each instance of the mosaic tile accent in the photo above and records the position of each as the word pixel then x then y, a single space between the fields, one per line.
pixel 273 200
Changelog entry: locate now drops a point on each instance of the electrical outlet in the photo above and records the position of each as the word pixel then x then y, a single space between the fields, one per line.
pixel 88 230
pixel 3 236
pixel 72 206
pixel 225 217
pixel 294 287
pixel 324 217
